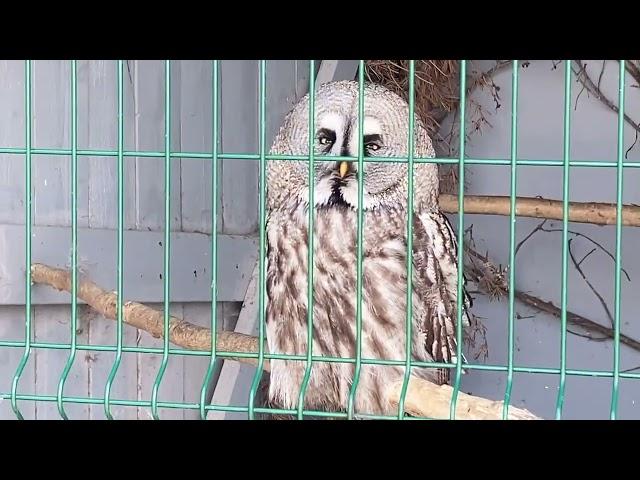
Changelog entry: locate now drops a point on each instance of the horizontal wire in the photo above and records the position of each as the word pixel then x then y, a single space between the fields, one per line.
pixel 303 358
pixel 321 158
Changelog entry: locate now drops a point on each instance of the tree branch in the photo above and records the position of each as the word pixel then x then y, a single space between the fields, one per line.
pixel 181 333
pixel 426 399
pixel 581 212
pixel 423 398
pixel 574 319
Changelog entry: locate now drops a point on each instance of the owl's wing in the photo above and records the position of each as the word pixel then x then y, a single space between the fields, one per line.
pixel 435 253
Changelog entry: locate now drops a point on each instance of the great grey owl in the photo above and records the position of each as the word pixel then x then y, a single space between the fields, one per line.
pixel 435 273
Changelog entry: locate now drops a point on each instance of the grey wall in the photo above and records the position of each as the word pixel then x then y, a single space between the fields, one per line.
pixel 538 264
pixel 191 122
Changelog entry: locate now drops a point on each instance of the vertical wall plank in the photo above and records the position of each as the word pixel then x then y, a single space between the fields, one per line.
pixel 144 197
pixel 195 368
pixel 51 129
pixel 195 136
pixel 103 135
pixel 12 328
pixel 149 114
pixel 239 112
pixel 171 388
pixel 103 331
pixel 52 325
pixel 12 135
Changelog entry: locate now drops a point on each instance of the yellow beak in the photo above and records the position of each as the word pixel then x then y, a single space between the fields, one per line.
pixel 344 167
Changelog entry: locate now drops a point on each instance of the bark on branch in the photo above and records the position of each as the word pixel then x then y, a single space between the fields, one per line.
pixel 426 399
pixel 181 333
pixel 581 212
pixel 422 399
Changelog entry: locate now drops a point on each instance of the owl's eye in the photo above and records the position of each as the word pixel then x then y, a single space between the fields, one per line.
pixel 326 137
pixel 372 146
pixel 372 142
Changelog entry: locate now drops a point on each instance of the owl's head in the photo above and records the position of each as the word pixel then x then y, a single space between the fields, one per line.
pixel 385 134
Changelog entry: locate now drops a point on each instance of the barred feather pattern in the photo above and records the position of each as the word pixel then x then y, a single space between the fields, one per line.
pixel 384 304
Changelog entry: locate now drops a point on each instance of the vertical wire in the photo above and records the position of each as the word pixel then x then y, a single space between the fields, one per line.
pixel 356 376
pixel 74 236
pixel 120 240
pixel 261 266
pixel 27 232
pixel 463 101
pixel 214 238
pixel 310 263
pixel 565 236
pixel 410 206
pixel 512 233
pixel 619 187
pixel 167 237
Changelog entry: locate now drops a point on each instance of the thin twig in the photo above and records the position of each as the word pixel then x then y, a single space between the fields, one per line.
pixel 635 140
pixel 589 284
pixel 585 79
pixel 492 281
pixel 575 319
pixel 533 232
pixel 588 336
pixel 587 255
pixel 633 70
pixel 582 235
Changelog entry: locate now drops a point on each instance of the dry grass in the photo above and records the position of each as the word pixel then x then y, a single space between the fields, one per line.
pixel 437 94
pixel 436 85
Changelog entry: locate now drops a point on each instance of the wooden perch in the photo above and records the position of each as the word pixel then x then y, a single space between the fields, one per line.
pixel 581 212
pixel 423 398
pixel 181 333
pixel 426 399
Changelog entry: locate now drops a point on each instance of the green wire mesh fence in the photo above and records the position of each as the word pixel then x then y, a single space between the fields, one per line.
pixel 15 396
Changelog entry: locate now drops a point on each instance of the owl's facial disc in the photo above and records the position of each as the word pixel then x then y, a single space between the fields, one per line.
pixel 337 182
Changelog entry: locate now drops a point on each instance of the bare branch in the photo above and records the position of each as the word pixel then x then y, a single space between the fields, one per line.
pixel 181 333
pixel 581 212
pixel 584 78
pixel 492 281
pixel 426 399
pixel 633 70
pixel 574 319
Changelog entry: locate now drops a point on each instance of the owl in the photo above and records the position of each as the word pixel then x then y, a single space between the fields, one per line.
pixel 335 207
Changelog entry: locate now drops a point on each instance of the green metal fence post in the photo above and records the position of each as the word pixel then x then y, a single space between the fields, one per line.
pixel 261 256
pixel 410 206
pixel 167 238
pixel 565 244
pixel 463 130
pixel 214 237
pixel 27 228
pixel 359 248
pixel 74 236
pixel 120 240
pixel 311 265
pixel 618 266
pixel 512 233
